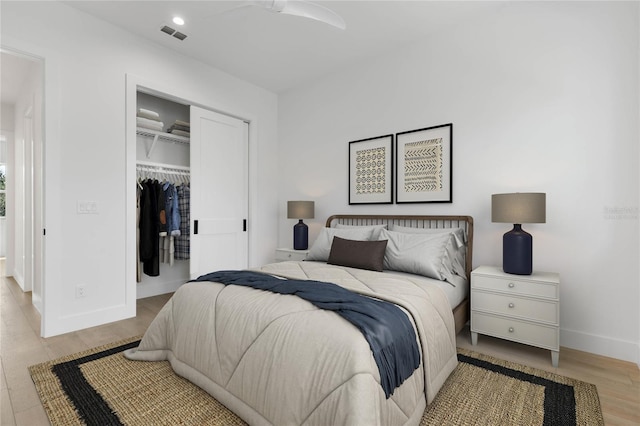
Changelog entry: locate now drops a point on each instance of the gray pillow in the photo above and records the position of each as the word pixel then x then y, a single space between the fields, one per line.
pixel 374 228
pixel 456 247
pixel 358 254
pixel 420 254
pixel 461 236
pixel 322 245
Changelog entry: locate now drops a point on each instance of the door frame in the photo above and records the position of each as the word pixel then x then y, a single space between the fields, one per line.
pixel 28 143
pixel 136 84
pixel 33 168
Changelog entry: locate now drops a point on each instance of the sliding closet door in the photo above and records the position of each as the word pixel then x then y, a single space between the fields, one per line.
pixel 219 192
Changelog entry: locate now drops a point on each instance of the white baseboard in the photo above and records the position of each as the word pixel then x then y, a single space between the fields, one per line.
pixel 601 345
pixel 80 321
pixel 149 290
pixel 37 302
pixel 19 279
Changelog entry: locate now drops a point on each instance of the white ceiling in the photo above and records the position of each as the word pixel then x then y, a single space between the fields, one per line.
pixel 277 51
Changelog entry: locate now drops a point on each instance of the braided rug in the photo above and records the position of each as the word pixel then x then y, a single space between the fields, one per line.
pixel 101 387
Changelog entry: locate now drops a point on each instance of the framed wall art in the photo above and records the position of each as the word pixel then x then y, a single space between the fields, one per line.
pixel 371 171
pixel 424 165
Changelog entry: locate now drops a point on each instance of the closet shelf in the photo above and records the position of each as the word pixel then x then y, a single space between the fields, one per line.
pixel 167 137
pixel 160 136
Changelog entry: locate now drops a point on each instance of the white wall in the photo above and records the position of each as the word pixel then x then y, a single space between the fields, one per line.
pixel 7 117
pixel 542 97
pixel 86 61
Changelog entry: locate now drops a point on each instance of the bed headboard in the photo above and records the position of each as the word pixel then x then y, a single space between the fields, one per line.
pixel 442 222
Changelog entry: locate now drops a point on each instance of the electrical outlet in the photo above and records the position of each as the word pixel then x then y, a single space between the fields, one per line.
pixel 87 207
pixel 81 291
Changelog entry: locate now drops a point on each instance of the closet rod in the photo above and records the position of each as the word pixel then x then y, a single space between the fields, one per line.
pixel 155 172
pixel 161 166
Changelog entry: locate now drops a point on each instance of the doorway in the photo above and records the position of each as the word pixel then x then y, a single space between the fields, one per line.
pixel 21 165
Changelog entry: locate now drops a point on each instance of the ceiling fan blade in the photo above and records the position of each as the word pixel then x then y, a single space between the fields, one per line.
pixel 313 11
pixel 301 8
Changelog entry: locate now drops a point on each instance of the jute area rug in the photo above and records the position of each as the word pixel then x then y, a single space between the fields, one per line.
pixel 101 387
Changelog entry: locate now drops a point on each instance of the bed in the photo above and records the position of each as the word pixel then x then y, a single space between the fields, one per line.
pixel 277 359
pixel 460 301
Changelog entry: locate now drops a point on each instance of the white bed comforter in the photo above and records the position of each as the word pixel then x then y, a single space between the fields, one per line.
pixel 278 360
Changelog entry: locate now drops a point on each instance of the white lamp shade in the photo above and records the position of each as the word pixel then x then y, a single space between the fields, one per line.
pixel 519 207
pixel 300 209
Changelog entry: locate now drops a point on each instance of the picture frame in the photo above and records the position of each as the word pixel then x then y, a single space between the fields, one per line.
pixel 424 165
pixel 371 170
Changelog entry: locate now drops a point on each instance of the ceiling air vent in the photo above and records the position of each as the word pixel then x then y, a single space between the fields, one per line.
pixel 179 35
pixel 167 29
pixel 172 32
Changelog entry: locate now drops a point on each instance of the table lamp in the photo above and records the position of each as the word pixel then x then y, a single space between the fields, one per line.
pixel 517 245
pixel 300 210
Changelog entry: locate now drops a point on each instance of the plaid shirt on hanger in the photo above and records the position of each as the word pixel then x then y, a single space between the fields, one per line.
pixel 182 241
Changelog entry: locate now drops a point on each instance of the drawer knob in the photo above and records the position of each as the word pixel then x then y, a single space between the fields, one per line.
pixel 511 305
pixel 510 329
pixel 511 285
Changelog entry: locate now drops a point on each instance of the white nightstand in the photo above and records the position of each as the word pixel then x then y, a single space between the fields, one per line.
pixel 283 254
pixel 521 308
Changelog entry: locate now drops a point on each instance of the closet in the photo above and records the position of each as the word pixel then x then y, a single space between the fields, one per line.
pixel 200 157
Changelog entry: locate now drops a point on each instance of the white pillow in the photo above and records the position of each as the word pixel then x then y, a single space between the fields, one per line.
pixel 322 245
pixel 420 254
pixel 456 247
pixel 375 228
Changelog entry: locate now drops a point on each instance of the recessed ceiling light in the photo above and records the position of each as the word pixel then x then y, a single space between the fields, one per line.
pixel 178 20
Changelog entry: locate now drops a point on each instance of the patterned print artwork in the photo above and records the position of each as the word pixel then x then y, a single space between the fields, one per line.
pixel 371 171
pixel 423 166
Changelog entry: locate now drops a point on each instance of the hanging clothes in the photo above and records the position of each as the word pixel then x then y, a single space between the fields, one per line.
pixel 149 229
pixel 162 214
pixel 162 217
pixel 182 242
pixel 139 188
pixel 167 245
pixel 172 209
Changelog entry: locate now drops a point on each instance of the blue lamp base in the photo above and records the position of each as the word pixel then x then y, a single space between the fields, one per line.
pixel 517 251
pixel 300 236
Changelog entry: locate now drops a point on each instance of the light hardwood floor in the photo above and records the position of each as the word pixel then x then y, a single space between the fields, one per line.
pixel 618 382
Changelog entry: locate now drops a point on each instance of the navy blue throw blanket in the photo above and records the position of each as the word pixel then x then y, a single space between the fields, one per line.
pixel 384 325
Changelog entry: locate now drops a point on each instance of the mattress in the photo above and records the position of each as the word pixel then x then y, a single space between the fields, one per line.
pixel 455 293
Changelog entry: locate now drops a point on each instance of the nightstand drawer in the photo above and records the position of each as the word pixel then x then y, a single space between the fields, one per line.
pixel 290 254
pixel 512 306
pixel 518 331
pixel 515 286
